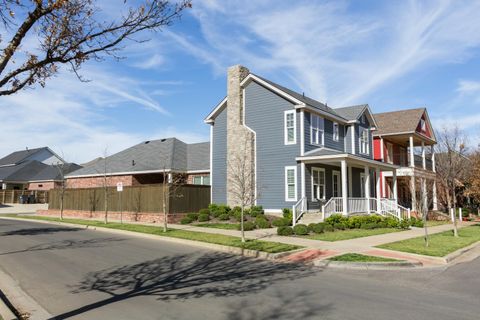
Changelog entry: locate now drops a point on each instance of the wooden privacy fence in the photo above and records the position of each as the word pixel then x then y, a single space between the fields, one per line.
pixel 148 198
pixel 13 196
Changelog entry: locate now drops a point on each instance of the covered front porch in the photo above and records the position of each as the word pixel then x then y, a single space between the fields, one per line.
pixel 345 184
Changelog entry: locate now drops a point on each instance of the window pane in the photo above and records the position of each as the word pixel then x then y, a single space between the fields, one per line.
pixel 206 180
pixel 290 176
pixel 291 134
pixel 291 191
pixel 197 180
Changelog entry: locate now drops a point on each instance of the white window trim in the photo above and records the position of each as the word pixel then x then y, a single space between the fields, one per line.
pixel 321 140
pixel 340 191
pixel 202 180
pixel 324 183
pixel 285 129
pixel 287 168
pixel 337 138
pixel 367 151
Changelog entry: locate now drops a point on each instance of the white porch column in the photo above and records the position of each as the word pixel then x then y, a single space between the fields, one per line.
pixel 434 195
pixel 377 185
pixel 412 158
pixel 413 193
pixel 382 151
pixel 302 178
pixel 344 186
pixel 394 182
pixel 433 158
pixel 424 161
pixel 350 182
pixel 367 188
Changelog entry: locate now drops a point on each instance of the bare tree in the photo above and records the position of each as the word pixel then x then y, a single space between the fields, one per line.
pixel 104 172
pixel 71 32
pixel 451 164
pixel 62 169
pixel 473 188
pixel 423 200
pixel 241 182
pixel 171 184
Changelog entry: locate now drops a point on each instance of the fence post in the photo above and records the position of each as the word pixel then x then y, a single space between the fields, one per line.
pixel 323 213
pixel 409 213
pixel 452 215
pixel 294 216
pixel 460 214
pixel 13 196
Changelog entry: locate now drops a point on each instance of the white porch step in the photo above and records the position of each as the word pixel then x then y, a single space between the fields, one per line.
pixel 310 217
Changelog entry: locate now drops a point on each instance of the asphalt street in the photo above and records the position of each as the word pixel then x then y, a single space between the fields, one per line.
pixel 86 274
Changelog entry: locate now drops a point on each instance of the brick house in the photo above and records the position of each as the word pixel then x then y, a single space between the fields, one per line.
pixel 149 162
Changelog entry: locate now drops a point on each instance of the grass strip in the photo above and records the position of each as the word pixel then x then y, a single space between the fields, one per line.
pixel 339 235
pixel 265 246
pixel 356 257
pixel 440 244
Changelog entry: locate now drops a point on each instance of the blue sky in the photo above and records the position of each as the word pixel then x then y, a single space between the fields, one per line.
pixel 389 54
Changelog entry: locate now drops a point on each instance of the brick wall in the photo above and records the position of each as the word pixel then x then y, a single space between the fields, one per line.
pixel 92 182
pixel 191 176
pixel 42 185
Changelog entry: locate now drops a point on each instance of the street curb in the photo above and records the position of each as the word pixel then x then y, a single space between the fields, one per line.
pixel 460 252
pixel 5 312
pixel 205 245
pixel 366 265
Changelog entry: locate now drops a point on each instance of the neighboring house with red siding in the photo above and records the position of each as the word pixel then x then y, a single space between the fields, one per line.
pixel 149 162
pixel 406 138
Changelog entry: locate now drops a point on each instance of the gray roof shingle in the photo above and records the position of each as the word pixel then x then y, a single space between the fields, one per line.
pixel 398 121
pixel 33 171
pixel 18 156
pixel 351 113
pixel 154 155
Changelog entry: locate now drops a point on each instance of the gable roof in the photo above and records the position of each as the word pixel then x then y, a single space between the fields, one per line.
pixel 33 170
pixel 19 156
pixel 402 121
pixel 351 113
pixel 151 156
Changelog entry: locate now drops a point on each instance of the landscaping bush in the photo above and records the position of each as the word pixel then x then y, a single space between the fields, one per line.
pixel 247 226
pixel 369 226
pixel 238 216
pixel 204 211
pixel 212 207
pixel 311 226
pixel 300 230
pixel 339 226
pixel 335 218
pixel 256 211
pixel 318 227
pixel 193 216
pixel 224 217
pixel 328 227
pixel 219 210
pixel 203 217
pixel 287 213
pixel 404 224
pixel 186 220
pixel 263 224
pixel 284 231
pixel 281 222
pixel 391 222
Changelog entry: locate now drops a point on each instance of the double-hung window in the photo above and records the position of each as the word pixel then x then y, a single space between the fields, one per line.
pixel 291 183
pixel 316 132
pixel 290 127
pixel 364 143
pixel 336 131
pixel 318 184
pixel 203 180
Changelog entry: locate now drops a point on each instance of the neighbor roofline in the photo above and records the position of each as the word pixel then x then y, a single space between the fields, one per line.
pixel 124 173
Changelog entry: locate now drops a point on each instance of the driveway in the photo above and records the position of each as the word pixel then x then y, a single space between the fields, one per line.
pixel 85 274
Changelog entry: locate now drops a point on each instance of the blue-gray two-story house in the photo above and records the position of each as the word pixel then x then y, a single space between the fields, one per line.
pixel 301 153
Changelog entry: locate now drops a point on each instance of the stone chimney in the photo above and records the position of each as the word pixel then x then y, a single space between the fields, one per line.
pixel 240 140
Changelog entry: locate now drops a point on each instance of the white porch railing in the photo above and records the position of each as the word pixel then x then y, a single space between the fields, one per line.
pixel 298 210
pixel 388 207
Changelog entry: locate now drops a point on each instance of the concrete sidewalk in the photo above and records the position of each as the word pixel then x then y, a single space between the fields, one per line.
pixel 22 208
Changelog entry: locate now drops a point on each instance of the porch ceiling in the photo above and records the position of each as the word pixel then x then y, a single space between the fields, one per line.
pixel 351 160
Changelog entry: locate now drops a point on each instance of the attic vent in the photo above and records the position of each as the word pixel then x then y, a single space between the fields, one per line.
pixel 133 162
pixel 163 140
pixel 147 142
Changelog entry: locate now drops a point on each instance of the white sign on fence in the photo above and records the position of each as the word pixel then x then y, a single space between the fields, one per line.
pixel 119 186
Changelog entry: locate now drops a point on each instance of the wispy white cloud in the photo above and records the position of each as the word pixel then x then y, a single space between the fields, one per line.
pixel 330 51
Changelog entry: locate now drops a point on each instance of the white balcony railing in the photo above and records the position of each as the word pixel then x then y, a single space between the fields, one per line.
pixel 384 207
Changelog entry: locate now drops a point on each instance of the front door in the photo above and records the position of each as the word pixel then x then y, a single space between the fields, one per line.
pixel 318 184
pixel 336 184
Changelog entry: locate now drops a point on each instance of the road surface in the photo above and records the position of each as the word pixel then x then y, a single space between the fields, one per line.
pixel 86 274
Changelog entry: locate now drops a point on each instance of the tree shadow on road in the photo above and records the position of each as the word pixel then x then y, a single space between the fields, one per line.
pixel 68 244
pixel 290 304
pixel 186 277
pixel 37 231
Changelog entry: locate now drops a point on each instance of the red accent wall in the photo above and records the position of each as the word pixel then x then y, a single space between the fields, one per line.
pixel 377 153
pixel 427 129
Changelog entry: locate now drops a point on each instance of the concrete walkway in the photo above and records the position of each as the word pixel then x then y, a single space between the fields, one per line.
pixel 327 249
pixel 22 208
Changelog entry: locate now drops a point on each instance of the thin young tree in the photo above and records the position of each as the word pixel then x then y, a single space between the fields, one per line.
pixel 423 201
pixel 71 32
pixel 241 182
pixel 171 184
pixel 105 182
pixel 451 165
pixel 62 169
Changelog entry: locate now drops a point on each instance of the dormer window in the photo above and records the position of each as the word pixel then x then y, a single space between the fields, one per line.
pixel 364 143
pixel 336 131
pixel 316 130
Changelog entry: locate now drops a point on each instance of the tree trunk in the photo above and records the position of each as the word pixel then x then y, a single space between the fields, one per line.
pixel 241 224
pixel 106 205
pixel 455 229
pixel 61 204
pixel 425 228
pixel 165 213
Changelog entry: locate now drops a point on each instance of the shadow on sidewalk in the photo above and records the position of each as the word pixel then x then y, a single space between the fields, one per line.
pixel 186 277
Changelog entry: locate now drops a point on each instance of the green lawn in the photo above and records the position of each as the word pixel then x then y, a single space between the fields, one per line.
pixel 433 223
pixel 356 257
pixel 350 234
pixel 440 244
pixel 266 246
pixel 227 226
